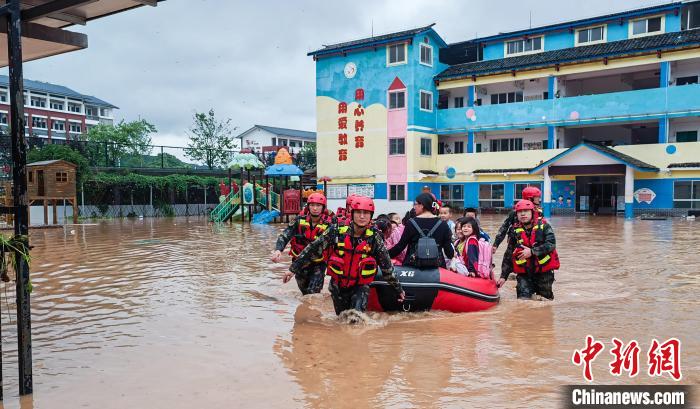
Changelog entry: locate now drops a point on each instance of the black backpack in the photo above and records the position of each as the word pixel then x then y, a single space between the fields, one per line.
pixel 427 251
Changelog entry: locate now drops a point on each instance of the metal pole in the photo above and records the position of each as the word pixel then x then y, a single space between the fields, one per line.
pixel 150 198
pixel 162 158
pixel 19 177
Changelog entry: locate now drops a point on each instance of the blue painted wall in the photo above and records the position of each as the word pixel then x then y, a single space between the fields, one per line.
pixel 557 40
pixel 375 77
pixel 380 191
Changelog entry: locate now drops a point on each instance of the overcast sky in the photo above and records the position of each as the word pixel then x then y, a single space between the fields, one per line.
pixel 248 61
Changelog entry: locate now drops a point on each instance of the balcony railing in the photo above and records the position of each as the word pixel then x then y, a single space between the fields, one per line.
pixel 636 105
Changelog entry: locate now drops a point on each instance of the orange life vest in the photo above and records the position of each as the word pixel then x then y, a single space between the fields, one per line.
pixel 305 234
pixel 351 265
pixel 548 262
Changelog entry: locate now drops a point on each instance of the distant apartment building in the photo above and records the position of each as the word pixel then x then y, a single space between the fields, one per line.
pixel 262 138
pixel 55 111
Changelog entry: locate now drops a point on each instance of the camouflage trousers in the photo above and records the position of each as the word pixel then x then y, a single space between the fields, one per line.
pixel 310 281
pixel 507 263
pixel 349 298
pixel 531 284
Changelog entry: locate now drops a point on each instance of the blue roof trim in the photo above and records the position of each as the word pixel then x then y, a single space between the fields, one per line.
pixel 580 23
pixel 595 148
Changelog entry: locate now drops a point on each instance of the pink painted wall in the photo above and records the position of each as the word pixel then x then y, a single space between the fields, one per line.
pixel 397 122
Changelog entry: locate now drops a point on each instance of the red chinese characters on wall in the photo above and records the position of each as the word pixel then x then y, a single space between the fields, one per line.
pixel 342 155
pixel 342 139
pixel 359 94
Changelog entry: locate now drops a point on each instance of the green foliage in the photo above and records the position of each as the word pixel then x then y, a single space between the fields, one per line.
pixel 168 161
pixel 125 138
pixel 53 152
pixel 176 182
pixel 307 157
pixel 210 140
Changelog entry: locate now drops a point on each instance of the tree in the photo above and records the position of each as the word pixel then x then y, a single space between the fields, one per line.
pixel 125 138
pixel 211 141
pixel 307 157
pixel 52 152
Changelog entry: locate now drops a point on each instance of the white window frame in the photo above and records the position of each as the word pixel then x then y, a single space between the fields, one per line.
pixel 420 54
pixel 404 146
pixel 603 40
pixel 420 94
pixel 46 120
pixel 505 46
pixel 388 100
pixel 55 122
pixel 396 186
pixel 420 147
pixel 630 24
pixel 691 200
pixel 405 55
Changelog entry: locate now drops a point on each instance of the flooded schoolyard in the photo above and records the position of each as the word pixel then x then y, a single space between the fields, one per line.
pixel 178 313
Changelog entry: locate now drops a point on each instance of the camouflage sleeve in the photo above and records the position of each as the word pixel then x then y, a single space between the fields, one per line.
pixel 503 231
pixel 286 235
pixel 381 254
pixel 314 250
pixel 550 242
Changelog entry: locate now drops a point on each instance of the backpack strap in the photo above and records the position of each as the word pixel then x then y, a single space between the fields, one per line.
pixel 420 231
pixel 430 233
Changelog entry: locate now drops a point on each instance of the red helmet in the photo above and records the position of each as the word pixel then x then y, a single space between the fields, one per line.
pixel 524 205
pixel 363 203
pixel 349 200
pixel 318 198
pixel 531 192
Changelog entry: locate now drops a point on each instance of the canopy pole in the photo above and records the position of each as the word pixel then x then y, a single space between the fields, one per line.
pixel 19 177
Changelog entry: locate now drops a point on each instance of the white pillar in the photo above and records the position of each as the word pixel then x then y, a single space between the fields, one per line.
pixel 629 192
pixel 547 194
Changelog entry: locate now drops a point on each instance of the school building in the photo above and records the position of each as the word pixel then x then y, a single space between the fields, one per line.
pixel 601 113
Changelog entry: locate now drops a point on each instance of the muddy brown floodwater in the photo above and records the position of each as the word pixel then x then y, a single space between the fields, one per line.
pixel 177 313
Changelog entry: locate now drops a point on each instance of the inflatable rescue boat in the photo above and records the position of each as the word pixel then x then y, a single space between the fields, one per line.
pixel 433 289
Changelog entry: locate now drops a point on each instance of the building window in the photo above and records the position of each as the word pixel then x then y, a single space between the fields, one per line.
pixel 426 147
pixel 3 118
pixel 524 46
pixel 38 102
pixel 507 97
pixel 397 192
pixel 57 105
pixel 506 144
pixel 31 176
pixel 592 35
pixel 274 141
pixel 3 96
pixel 283 142
pixel 491 196
pixel 452 195
pixel 74 108
pixel 397 146
pixel 61 177
pixel 426 101
pixel 686 194
pixel 39 123
pixel 426 54
pixel 518 190
pixel 90 111
pixel 687 136
pixel 459 147
pixel 687 80
pixel 646 26
pixel 76 127
pixel 57 125
pixel 396 54
pixel 104 112
pixel 459 102
pixel 397 100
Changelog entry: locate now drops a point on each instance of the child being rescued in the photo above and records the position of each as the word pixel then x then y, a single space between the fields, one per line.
pixel 473 258
pixel 535 256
